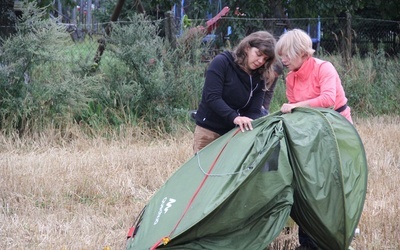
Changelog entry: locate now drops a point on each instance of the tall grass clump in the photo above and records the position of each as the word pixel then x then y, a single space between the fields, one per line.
pixel 38 85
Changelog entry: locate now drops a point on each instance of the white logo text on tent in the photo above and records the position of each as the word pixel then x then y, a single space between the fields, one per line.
pixel 167 207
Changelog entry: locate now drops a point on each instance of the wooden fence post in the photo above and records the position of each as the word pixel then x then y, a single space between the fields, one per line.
pixel 170 32
pixel 347 41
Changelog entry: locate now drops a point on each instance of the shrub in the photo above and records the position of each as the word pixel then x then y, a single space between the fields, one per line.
pixel 38 85
pixel 149 79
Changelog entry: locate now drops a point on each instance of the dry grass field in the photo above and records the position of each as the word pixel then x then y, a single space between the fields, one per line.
pixel 80 193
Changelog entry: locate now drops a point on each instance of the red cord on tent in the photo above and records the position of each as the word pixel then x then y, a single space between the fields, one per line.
pixel 166 239
pixel 130 232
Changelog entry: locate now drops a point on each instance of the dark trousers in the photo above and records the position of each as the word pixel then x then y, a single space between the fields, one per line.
pixel 305 240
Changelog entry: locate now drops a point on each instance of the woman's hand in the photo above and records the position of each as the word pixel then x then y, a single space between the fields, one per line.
pixel 287 108
pixel 244 123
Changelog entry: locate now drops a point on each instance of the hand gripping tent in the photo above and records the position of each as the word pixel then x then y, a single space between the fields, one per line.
pixel 239 191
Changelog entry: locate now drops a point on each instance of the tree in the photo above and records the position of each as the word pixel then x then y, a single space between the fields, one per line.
pixel 388 10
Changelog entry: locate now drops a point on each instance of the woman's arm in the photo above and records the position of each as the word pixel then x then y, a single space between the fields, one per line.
pixel 214 87
pixel 325 84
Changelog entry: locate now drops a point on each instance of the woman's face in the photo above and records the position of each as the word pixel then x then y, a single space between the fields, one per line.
pixel 255 58
pixel 293 64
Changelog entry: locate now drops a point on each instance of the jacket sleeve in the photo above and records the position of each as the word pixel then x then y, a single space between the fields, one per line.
pixel 213 88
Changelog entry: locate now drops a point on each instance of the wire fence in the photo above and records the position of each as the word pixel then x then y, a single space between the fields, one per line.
pixel 329 35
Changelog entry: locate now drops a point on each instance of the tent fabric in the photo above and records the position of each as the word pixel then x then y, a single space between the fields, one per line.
pixel 239 191
pixel 331 178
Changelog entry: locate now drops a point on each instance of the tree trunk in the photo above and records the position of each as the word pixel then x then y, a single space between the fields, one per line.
pixel 89 16
pixel 73 15
pixel 347 42
pixel 81 10
pixel 115 15
pixel 170 29
pixel 95 22
pixel 102 41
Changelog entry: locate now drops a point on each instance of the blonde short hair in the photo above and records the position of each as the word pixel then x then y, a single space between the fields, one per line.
pixel 294 43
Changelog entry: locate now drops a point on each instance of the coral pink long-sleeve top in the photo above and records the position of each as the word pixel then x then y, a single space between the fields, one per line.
pixel 317 82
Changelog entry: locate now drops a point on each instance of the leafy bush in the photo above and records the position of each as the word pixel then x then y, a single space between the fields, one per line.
pixel 149 79
pixel 38 86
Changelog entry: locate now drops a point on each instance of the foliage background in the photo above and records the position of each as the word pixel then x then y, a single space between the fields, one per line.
pixel 48 80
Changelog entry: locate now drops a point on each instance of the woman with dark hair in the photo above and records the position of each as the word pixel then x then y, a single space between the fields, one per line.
pixel 234 88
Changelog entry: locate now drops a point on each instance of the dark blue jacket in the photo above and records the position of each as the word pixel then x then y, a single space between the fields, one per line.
pixel 227 93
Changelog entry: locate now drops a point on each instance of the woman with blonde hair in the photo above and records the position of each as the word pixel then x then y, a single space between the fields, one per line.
pixel 311 82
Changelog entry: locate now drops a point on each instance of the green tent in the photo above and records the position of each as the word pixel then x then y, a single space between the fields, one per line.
pixel 239 191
